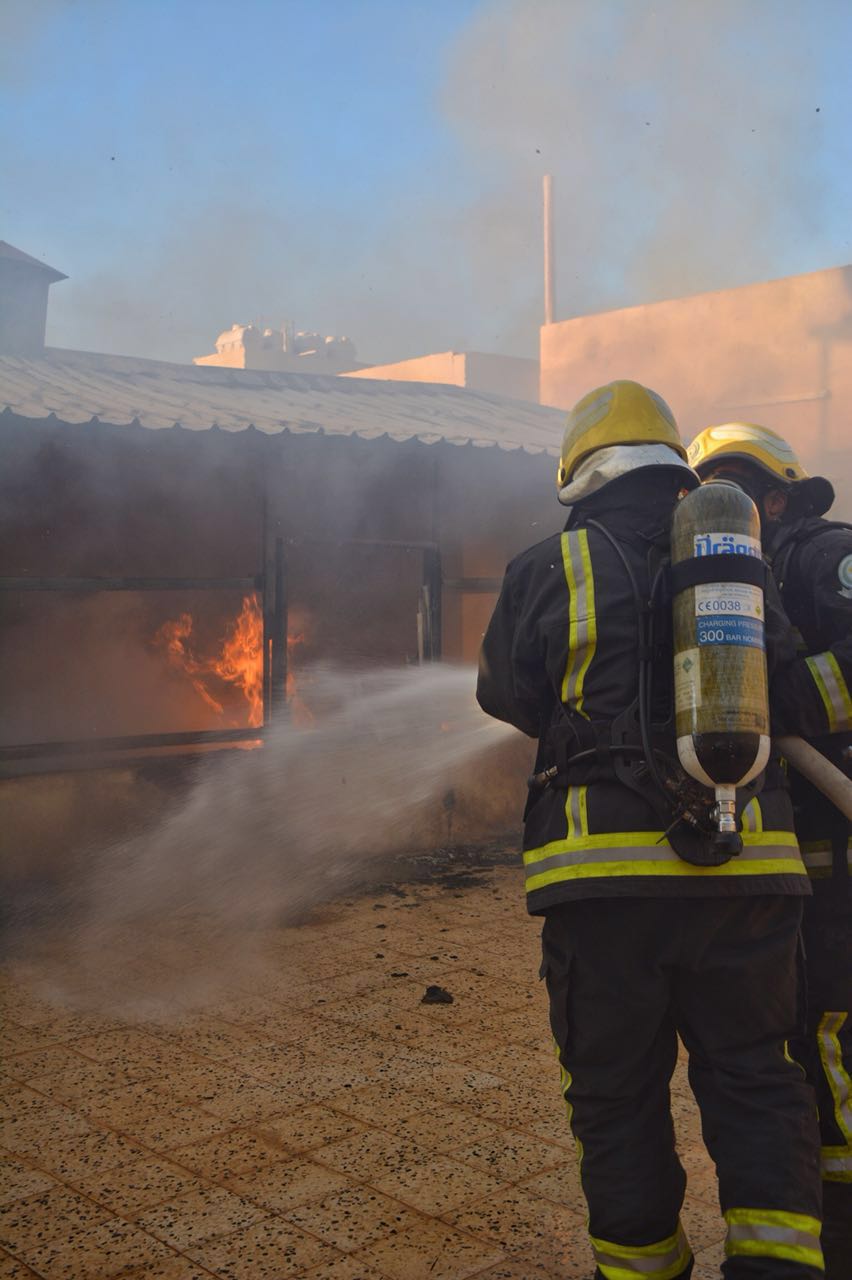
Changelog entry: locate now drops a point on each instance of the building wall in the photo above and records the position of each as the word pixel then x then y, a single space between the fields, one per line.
pixel 99 501
pixel 509 376
pixel 777 353
pixel 23 309
pixel 444 366
pixel 492 505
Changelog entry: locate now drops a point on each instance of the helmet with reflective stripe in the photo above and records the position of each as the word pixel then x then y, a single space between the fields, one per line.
pixel 747 443
pixel 620 413
pixel 774 462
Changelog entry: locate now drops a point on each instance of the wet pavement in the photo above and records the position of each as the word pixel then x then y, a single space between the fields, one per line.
pixel 316 1119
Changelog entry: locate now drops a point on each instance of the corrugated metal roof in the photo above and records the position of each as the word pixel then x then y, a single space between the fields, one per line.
pixel 79 386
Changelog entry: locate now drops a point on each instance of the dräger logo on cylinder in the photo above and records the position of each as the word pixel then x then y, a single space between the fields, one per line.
pixel 731 544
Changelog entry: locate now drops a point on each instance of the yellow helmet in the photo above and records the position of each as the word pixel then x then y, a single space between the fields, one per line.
pixel 620 413
pixel 748 443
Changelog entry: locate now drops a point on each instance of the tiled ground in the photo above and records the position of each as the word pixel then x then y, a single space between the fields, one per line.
pixel 319 1122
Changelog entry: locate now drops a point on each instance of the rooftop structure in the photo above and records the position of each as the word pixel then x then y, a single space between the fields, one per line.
pixel 247 346
pixel 511 376
pixel 24 283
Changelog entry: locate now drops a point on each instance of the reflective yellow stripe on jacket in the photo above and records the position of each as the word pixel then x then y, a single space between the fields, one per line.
pixel 581 856
pixel 833 690
pixel 647 853
pixel 752 818
pixel 576 812
pixel 582 621
pixel 660 1261
pixel 836 1161
pixel 771 1233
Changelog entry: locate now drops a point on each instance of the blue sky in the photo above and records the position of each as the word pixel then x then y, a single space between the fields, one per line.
pixel 373 167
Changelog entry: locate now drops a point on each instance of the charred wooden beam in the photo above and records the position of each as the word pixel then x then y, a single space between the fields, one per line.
pixel 32 750
pixel 131 584
pixel 278 689
pixel 105 761
pixel 433 586
pixel 362 542
pixel 473 585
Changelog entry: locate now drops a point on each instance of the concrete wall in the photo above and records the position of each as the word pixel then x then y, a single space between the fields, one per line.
pixel 23 309
pixel 776 353
pixel 444 366
pixel 510 376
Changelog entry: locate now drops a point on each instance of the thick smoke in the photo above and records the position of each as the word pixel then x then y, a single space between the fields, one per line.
pixel 687 142
pixel 396 763
pixel 695 146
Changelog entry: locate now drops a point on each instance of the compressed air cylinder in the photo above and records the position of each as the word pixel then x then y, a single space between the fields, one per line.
pixel 721 700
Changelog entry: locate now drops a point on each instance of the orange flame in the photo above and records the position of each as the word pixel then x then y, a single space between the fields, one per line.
pixel 240 662
pixel 175 637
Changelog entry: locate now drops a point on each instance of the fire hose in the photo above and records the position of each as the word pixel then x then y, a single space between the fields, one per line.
pixel 824 775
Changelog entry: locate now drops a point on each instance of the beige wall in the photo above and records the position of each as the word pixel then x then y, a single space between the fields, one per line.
pixel 510 376
pixel 445 366
pixel 777 353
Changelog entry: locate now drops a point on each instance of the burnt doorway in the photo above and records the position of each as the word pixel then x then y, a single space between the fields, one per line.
pixel 362 602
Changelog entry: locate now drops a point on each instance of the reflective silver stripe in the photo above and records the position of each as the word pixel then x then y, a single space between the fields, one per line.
pixel 828 1031
pixel 837 1161
pixel 819 857
pixel 772 1234
pixel 638 1266
pixel 752 818
pixel 633 853
pixel 833 690
pixel 663 1260
pixel 575 811
pixel 594 412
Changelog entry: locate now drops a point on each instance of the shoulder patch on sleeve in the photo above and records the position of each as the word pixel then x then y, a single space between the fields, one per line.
pixel 844 574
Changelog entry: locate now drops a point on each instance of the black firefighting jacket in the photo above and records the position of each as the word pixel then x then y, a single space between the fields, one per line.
pixel 812 564
pixel 564 637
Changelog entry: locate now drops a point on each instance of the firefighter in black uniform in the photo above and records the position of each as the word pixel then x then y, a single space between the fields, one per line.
pixel 812 563
pixel 638 943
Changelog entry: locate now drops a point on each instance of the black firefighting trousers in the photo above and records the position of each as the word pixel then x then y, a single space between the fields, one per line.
pixel 624 977
pixel 826 1052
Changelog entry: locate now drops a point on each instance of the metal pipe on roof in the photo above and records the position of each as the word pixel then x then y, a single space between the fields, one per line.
pixel 549 253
